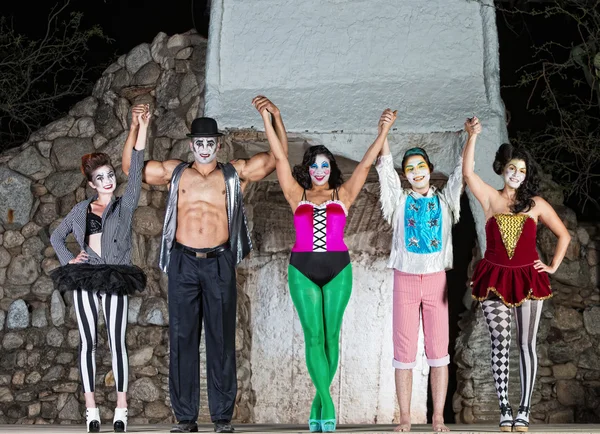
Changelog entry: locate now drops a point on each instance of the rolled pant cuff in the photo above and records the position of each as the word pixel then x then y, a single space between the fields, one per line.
pixel 400 365
pixel 438 363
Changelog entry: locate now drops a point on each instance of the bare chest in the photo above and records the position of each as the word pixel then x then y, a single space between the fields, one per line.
pixel 195 188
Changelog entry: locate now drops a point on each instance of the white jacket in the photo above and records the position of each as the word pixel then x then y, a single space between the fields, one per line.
pixel 412 255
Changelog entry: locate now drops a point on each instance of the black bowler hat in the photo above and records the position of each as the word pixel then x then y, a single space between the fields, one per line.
pixel 204 127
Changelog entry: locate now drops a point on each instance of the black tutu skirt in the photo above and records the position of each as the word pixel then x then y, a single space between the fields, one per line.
pixel 112 279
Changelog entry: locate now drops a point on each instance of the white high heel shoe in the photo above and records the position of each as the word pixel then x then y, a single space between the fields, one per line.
pixel 120 420
pixel 92 419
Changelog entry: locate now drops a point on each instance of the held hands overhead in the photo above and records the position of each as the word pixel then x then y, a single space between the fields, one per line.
pixel 143 117
pixel 265 106
pixel 387 119
pixel 472 126
pixel 136 110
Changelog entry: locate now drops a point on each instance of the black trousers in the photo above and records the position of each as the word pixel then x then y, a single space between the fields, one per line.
pixel 202 289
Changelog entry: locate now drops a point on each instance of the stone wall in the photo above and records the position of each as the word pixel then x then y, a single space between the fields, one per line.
pixel 39 184
pixel 567 387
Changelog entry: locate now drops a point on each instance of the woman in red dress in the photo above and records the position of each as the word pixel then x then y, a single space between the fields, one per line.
pixel 511 279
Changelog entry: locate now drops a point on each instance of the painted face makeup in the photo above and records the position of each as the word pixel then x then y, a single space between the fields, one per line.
pixel 320 170
pixel 204 149
pixel 515 172
pixel 417 172
pixel 104 180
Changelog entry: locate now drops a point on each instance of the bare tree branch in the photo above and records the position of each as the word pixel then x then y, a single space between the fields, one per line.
pixel 569 148
pixel 37 75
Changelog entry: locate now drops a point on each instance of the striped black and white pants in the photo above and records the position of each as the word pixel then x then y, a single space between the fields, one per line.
pixel 87 307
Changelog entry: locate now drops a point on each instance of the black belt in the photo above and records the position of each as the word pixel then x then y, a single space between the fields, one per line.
pixel 204 253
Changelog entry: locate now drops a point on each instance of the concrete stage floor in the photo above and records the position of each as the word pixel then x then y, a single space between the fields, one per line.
pixel 242 428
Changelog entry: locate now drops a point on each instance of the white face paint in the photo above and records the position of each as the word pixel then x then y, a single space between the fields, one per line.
pixel 515 172
pixel 204 149
pixel 104 180
pixel 417 171
pixel 320 170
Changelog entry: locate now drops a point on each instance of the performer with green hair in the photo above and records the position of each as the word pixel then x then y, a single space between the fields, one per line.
pixel 320 273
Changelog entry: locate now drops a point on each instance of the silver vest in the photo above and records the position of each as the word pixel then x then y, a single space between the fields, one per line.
pixel 239 235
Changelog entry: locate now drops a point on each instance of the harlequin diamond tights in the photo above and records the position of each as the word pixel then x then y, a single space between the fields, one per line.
pixel 498 318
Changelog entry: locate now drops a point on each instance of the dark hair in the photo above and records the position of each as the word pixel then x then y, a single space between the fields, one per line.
pixel 90 162
pixel 530 186
pixel 301 174
pixel 416 151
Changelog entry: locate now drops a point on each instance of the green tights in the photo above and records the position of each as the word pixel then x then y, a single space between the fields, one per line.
pixel 321 311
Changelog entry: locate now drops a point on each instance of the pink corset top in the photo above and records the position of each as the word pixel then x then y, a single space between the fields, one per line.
pixel 320 228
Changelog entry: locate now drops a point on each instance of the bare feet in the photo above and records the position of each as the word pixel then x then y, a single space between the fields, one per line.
pixel 438 425
pixel 403 427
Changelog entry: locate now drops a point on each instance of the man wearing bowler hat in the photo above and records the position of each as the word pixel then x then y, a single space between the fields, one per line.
pixel 205 235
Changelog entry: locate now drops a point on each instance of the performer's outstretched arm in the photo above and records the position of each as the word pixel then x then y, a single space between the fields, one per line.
pixel 389 181
pixel 350 189
pixel 262 164
pixel 454 187
pixel 134 183
pixel 482 191
pixel 279 152
pixel 136 111
pixel 155 172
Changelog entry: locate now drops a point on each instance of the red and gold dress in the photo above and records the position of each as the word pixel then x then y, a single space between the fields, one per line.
pixel 507 267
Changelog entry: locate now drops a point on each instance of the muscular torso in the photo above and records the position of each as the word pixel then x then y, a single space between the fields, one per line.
pixel 201 211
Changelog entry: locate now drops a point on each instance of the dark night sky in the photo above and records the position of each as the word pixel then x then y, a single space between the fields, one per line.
pixel 128 22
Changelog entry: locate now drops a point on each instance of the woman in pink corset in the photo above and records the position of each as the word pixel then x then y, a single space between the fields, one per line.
pixel 320 273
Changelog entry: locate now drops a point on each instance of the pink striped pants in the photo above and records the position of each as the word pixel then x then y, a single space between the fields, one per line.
pixel 425 294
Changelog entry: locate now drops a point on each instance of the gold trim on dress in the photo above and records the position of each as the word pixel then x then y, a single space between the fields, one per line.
pixel 529 296
pixel 511 228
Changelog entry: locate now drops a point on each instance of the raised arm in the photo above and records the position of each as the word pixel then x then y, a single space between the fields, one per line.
pixel 548 216
pixel 351 188
pixel 154 172
pixel 291 189
pixel 134 183
pixel 390 187
pixel 262 164
pixel 136 111
pixel 454 188
pixel 482 191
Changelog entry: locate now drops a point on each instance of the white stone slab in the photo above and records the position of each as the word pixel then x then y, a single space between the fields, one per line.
pixel 333 65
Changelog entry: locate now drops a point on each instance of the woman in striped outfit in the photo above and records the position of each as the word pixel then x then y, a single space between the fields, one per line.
pixel 102 274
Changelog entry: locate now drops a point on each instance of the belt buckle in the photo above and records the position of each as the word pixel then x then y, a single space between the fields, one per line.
pixel 203 255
